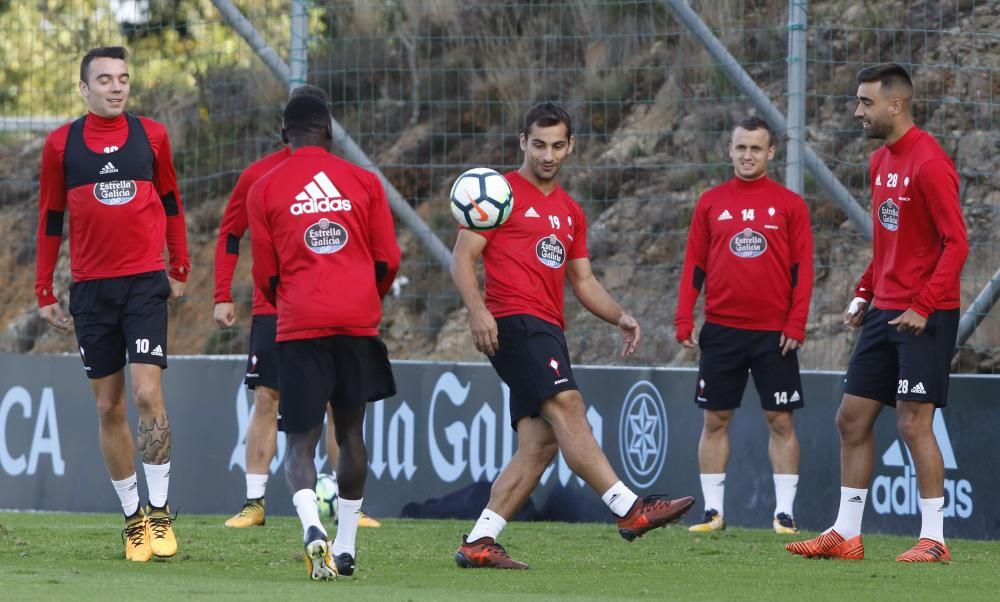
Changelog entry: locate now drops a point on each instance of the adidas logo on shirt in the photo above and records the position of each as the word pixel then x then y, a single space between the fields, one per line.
pixel 157 351
pixel 320 196
pixel 725 215
pixel 919 389
pixel 108 168
pixel 531 212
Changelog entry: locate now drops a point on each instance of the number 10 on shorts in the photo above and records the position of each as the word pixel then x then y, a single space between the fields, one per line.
pixel 142 345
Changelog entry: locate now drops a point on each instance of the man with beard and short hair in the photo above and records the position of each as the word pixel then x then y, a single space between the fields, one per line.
pixel 519 326
pixel 906 305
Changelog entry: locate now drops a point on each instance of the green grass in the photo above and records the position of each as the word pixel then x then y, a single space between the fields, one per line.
pixel 57 556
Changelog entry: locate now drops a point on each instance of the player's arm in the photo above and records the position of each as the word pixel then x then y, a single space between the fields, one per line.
pixel 382 238
pixel 468 247
pixel 51 215
pixel 692 276
pixel 801 237
pixel 938 183
pixel 165 180
pixel 227 250
pixel 265 257
pixel 596 299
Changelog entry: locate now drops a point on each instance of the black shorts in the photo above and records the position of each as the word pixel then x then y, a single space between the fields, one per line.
pixel 115 317
pixel 533 361
pixel 888 365
pixel 728 355
pixel 341 370
pixel 262 361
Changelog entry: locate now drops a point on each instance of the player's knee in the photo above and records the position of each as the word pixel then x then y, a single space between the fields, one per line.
pixel 912 427
pixel 111 409
pixel 849 425
pixel 266 399
pixel 148 397
pixel 781 425
pixel 716 424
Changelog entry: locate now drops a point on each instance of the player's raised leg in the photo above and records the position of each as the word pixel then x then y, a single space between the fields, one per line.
pixel 636 516
pixel 713 456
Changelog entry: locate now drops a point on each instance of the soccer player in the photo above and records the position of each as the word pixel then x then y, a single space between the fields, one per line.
pixel 519 326
pixel 750 248
pixel 113 172
pixel 324 254
pixel 906 305
pixel 262 362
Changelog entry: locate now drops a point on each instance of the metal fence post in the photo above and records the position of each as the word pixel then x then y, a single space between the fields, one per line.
pixel 796 127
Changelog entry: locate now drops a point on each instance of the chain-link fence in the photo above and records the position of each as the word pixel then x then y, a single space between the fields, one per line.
pixel 429 88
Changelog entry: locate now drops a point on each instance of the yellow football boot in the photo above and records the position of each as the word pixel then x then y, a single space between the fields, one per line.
pixel 251 515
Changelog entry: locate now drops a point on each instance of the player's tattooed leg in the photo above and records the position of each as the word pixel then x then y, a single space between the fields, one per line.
pixel 154 439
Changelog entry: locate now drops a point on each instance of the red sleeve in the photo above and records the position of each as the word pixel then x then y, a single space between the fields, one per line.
pixel 863 288
pixel 802 272
pixel 165 181
pixel 693 273
pixel 265 257
pixel 382 238
pixel 579 247
pixel 51 214
pixel 227 246
pixel 937 181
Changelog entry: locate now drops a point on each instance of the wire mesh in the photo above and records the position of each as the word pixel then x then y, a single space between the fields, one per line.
pixel 430 88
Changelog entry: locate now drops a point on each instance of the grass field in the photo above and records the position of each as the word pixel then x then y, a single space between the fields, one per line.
pixel 56 556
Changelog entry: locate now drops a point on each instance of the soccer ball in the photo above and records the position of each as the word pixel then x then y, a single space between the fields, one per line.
pixel 326 495
pixel 481 199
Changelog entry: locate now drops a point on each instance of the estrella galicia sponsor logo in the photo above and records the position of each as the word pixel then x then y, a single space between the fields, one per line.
pixel 550 251
pixel 326 237
pixel 899 494
pixel 118 192
pixel 748 243
pixel 642 434
pixel 888 215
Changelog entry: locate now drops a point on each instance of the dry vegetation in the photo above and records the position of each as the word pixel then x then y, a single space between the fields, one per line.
pixel 429 87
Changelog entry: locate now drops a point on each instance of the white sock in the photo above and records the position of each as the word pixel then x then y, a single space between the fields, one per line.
pixel 256 485
pixel 128 493
pixel 619 499
pixel 932 518
pixel 785 486
pixel 158 481
pixel 307 509
pixel 490 524
pixel 347 526
pixel 852 510
pixel 713 489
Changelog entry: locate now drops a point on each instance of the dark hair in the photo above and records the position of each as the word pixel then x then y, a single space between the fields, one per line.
pixel 309 90
pixel 890 75
pixel 305 115
pixel 547 114
pixel 109 52
pixel 756 123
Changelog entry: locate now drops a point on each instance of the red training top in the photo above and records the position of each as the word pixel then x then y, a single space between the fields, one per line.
pixel 751 245
pixel 116 178
pixel 920 244
pixel 234 225
pixel 324 247
pixel 525 258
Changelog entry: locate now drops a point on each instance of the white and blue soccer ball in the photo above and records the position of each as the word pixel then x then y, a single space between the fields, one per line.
pixel 481 199
pixel 326 495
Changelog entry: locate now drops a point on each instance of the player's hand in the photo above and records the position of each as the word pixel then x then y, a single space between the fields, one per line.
pixel 855 313
pixel 176 290
pixel 788 344
pixel 909 321
pixel 225 314
pixel 484 332
pixel 630 334
pixel 691 342
pixel 55 316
